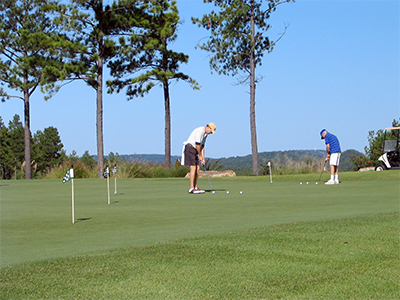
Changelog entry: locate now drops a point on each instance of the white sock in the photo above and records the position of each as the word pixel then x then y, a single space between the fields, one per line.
pixel 333 177
pixel 336 177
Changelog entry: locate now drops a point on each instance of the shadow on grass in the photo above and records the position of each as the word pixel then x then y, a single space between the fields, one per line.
pixel 83 219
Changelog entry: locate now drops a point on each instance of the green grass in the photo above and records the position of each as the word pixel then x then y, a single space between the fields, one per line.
pixel 353 258
pixel 155 241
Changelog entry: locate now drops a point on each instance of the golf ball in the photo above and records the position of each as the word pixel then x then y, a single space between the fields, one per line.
pixel 241 192
pixel 213 192
pixel 301 183
pixel 307 182
pixel 115 193
pixel 227 192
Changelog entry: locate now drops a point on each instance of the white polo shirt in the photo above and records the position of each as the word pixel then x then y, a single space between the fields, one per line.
pixel 198 136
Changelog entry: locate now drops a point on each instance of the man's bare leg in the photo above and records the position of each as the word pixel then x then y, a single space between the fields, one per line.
pixel 193 177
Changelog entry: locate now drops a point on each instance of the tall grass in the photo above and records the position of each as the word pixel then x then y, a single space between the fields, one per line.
pixel 144 169
pixel 80 170
pixel 132 169
pixel 141 169
pixel 288 166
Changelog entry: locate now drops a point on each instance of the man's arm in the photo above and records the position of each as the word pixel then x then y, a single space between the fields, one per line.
pixel 200 151
pixel 328 152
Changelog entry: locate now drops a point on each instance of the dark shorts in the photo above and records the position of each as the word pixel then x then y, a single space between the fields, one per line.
pixel 191 156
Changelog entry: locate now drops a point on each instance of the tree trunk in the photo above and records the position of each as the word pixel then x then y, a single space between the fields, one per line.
pixel 27 133
pixel 254 147
pixel 99 119
pixel 167 125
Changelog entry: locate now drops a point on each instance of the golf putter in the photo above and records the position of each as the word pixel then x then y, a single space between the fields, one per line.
pixel 205 170
pixel 320 175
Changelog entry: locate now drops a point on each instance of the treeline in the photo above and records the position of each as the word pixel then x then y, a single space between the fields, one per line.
pixel 51 161
pixel 46 149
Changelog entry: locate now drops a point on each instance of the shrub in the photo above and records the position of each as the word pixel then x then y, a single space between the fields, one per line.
pixel 80 170
pixel 291 167
pixel 361 162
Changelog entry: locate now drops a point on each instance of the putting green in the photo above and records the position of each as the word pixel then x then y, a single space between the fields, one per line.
pixel 36 221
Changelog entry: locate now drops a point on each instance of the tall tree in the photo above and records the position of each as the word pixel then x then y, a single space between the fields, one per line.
pixel 88 160
pixel 145 60
pixel 238 42
pixel 47 149
pixel 32 55
pixel 11 147
pixel 97 26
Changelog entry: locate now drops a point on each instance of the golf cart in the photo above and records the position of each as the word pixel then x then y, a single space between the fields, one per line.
pixel 390 159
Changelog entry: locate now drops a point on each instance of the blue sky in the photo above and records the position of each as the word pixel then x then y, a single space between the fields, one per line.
pixel 337 68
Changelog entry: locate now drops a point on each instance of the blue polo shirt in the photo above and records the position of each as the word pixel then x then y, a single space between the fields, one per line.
pixel 333 142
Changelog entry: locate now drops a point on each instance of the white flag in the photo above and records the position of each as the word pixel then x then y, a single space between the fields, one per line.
pixel 115 170
pixel 269 164
pixel 106 172
pixel 68 176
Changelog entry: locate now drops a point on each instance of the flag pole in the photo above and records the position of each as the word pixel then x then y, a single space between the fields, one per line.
pixel 115 178
pixel 270 171
pixel 70 176
pixel 108 184
pixel 71 172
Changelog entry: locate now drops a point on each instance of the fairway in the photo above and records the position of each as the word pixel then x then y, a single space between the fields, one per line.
pixel 36 219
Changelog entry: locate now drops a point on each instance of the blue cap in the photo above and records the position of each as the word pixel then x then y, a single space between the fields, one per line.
pixel 322 131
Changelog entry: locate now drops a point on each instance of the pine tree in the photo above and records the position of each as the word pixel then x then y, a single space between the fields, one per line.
pixel 32 55
pixel 47 149
pixel 238 42
pixel 11 147
pixel 98 27
pixel 145 60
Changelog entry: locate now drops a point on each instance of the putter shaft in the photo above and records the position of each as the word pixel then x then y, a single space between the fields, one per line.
pixel 205 170
pixel 323 168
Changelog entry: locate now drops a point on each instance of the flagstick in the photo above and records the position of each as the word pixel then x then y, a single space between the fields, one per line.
pixel 108 185
pixel 270 172
pixel 72 175
pixel 73 201
pixel 114 171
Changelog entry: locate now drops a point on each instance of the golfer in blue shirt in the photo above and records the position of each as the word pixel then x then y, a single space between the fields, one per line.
pixel 332 154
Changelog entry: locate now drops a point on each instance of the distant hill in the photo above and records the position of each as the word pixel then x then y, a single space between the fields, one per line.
pixel 279 157
pixel 244 163
pixel 296 155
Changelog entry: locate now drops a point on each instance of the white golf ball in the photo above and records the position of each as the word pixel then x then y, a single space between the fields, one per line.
pixel 227 192
pixel 213 192
pixel 307 182
pixel 241 192
pixel 115 193
pixel 301 183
